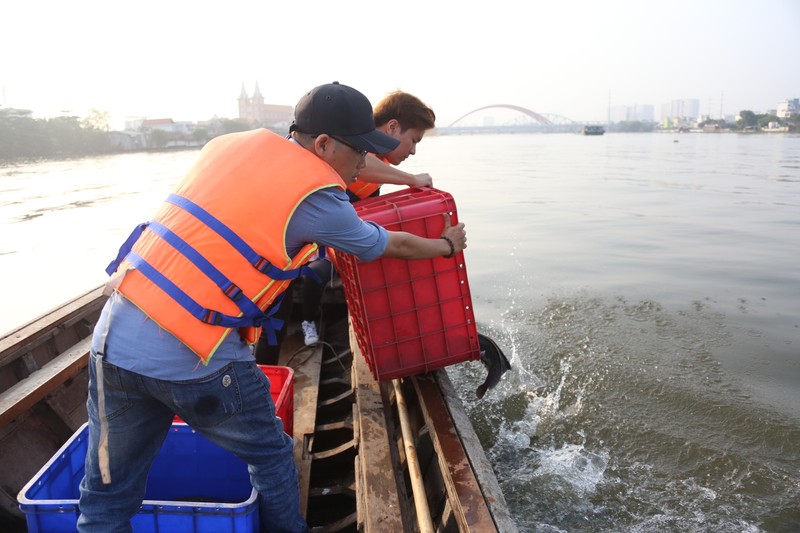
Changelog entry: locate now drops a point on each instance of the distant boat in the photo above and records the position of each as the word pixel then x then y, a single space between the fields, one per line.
pixel 592 130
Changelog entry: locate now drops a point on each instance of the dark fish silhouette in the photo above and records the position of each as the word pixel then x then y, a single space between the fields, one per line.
pixel 495 362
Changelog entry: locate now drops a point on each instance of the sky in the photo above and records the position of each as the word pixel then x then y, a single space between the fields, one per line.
pixel 188 60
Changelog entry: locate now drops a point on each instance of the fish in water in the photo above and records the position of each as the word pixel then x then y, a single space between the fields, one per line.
pixel 495 362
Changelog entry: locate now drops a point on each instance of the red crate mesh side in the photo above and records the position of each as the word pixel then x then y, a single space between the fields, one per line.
pixel 346 266
pixel 415 316
pixel 281 380
pixel 424 324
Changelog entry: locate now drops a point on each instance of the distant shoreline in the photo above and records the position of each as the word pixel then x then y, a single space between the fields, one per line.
pixel 6 162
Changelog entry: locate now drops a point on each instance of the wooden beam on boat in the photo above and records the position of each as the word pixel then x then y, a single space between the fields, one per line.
pixel 306 391
pixel 459 480
pixel 48 327
pixel 477 455
pixel 379 506
pixel 42 392
pixel 25 394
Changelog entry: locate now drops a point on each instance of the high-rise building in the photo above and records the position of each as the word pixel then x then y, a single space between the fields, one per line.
pixel 788 107
pixel 687 109
pixel 634 113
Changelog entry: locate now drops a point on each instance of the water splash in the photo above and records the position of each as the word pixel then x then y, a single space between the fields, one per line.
pixel 573 466
pixel 619 416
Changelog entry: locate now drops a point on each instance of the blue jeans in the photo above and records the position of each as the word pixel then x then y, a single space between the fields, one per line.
pixel 232 408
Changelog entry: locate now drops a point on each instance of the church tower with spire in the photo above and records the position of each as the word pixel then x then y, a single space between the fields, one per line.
pixel 244 103
pixel 257 104
pixel 256 112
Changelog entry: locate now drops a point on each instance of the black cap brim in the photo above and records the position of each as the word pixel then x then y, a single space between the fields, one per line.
pixel 375 142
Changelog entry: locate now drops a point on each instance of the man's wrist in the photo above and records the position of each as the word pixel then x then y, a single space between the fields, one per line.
pixel 452 247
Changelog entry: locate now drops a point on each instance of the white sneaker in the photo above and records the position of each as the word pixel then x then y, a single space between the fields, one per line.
pixel 310 333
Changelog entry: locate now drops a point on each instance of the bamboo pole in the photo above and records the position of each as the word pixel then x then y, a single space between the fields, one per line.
pixel 417 486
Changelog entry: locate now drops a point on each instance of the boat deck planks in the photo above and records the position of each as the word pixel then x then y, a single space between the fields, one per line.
pixel 379 507
pixel 306 388
pixel 459 498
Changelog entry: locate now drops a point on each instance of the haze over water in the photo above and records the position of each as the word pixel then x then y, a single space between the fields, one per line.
pixel 644 286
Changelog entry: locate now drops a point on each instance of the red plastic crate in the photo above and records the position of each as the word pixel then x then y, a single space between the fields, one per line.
pixel 410 317
pixel 281 388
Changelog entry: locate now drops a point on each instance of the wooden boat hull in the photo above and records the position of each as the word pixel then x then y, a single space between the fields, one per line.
pixel 353 462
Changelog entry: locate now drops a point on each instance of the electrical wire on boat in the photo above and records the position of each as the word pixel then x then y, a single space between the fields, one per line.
pixel 298 351
pixel 333 350
pixel 310 350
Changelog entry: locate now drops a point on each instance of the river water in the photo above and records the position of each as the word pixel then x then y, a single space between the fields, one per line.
pixel 646 288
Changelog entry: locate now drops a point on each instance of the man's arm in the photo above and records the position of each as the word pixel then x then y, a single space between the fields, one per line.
pixel 328 218
pixel 404 245
pixel 376 171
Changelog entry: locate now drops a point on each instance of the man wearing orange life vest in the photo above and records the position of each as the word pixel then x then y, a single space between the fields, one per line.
pixel 406 118
pixel 192 288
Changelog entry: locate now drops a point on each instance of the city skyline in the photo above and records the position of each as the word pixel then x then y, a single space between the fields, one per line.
pixel 575 59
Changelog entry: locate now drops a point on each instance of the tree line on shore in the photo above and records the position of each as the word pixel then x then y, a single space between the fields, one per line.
pixel 23 137
pixel 747 121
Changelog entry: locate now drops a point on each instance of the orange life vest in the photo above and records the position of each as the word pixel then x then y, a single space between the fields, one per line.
pixel 363 189
pixel 215 253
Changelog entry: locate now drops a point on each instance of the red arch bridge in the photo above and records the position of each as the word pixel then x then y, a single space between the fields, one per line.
pixel 540 118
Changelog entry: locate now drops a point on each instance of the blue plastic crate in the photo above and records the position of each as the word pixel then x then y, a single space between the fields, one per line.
pixel 183 493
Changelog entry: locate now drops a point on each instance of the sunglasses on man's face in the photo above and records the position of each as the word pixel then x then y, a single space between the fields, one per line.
pixel 361 153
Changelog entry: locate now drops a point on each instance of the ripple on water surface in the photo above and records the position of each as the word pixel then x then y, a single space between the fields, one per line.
pixel 617 415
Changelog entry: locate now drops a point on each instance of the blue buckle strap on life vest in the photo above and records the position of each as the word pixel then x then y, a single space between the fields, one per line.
pixel 308 272
pixel 212 317
pixel 208 316
pixel 271 325
pixel 265 267
pixel 126 247
pixel 248 308
pixel 233 292
pixel 253 257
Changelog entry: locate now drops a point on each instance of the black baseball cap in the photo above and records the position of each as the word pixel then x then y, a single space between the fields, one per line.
pixel 341 111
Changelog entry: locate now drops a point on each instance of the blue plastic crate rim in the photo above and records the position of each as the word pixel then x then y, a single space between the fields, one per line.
pixel 72 454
